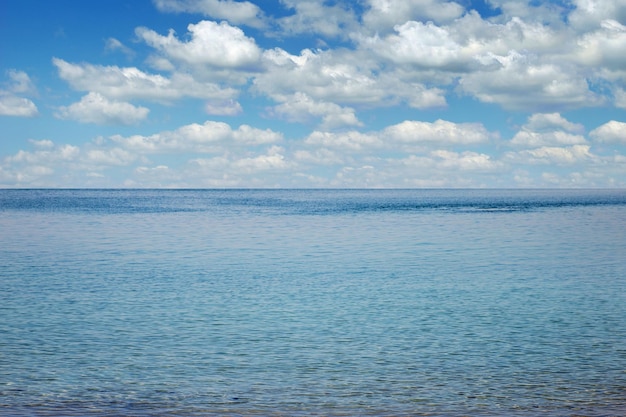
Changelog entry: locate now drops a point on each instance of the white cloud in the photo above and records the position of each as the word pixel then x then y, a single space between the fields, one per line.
pixel 236 170
pixel 320 156
pixel 603 47
pixel 439 132
pixel 223 108
pixel 465 161
pixel 619 98
pixel 320 75
pixel 424 45
pixel 42 156
pixel 20 83
pixel 385 14
pixel 11 101
pixel 352 140
pixel 131 83
pixel 94 108
pixel 537 139
pixel 42 144
pixel 114 45
pixel 408 133
pixel 113 156
pixel 237 12
pixel 317 18
pixel 272 160
pixel 610 132
pixel 522 82
pixel 553 155
pixel 548 129
pixel 249 135
pixel 301 108
pixel 589 13
pixel 541 122
pixel 12 105
pixel 214 44
pixel 209 137
pixel 469 43
pixel 438 168
pixel 342 77
pixel 395 56
pixel 552 13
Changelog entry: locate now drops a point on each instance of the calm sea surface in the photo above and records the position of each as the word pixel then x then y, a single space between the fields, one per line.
pixel 310 302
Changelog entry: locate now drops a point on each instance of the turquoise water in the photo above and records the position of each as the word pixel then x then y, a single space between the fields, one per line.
pixel 312 302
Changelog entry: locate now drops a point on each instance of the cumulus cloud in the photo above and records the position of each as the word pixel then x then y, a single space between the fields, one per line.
pixel 469 43
pixel 619 97
pixel 540 58
pixel 610 132
pixel 223 107
pixel 421 44
pixel 464 161
pixel 542 122
pixel 208 137
pixel 549 155
pixel 351 140
pixel 130 83
pixel 315 17
pixel 440 132
pixel 272 160
pixel 604 47
pixel 20 83
pixel 530 139
pixel 44 158
pixel 548 129
pixel 109 157
pixel 12 102
pixel 588 14
pixel 318 74
pixel 94 108
pixel 236 12
pixel 341 77
pixel 214 44
pixel 301 108
pixel 522 82
pixel 237 170
pixel 12 105
pixel 385 14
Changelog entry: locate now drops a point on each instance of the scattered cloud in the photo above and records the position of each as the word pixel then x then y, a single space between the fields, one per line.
pixel 217 45
pixel 548 129
pixel 522 82
pixel 441 132
pixel 552 155
pixel 300 108
pixel 114 45
pixel 375 93
pixel 547 122
pixel 236 12
pixel 385 14
pixel 210 137
pixel 611 132
pixel 130 83
pixel 12 105
pixel 12 102
pixel 94 108
pixel 315 17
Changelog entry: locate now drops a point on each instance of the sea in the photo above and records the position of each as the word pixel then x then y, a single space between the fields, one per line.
pixel 428 302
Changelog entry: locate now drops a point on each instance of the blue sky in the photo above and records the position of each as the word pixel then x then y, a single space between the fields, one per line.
pixel 299 93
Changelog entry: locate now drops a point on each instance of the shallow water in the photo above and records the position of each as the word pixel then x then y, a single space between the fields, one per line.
pixel 313 302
